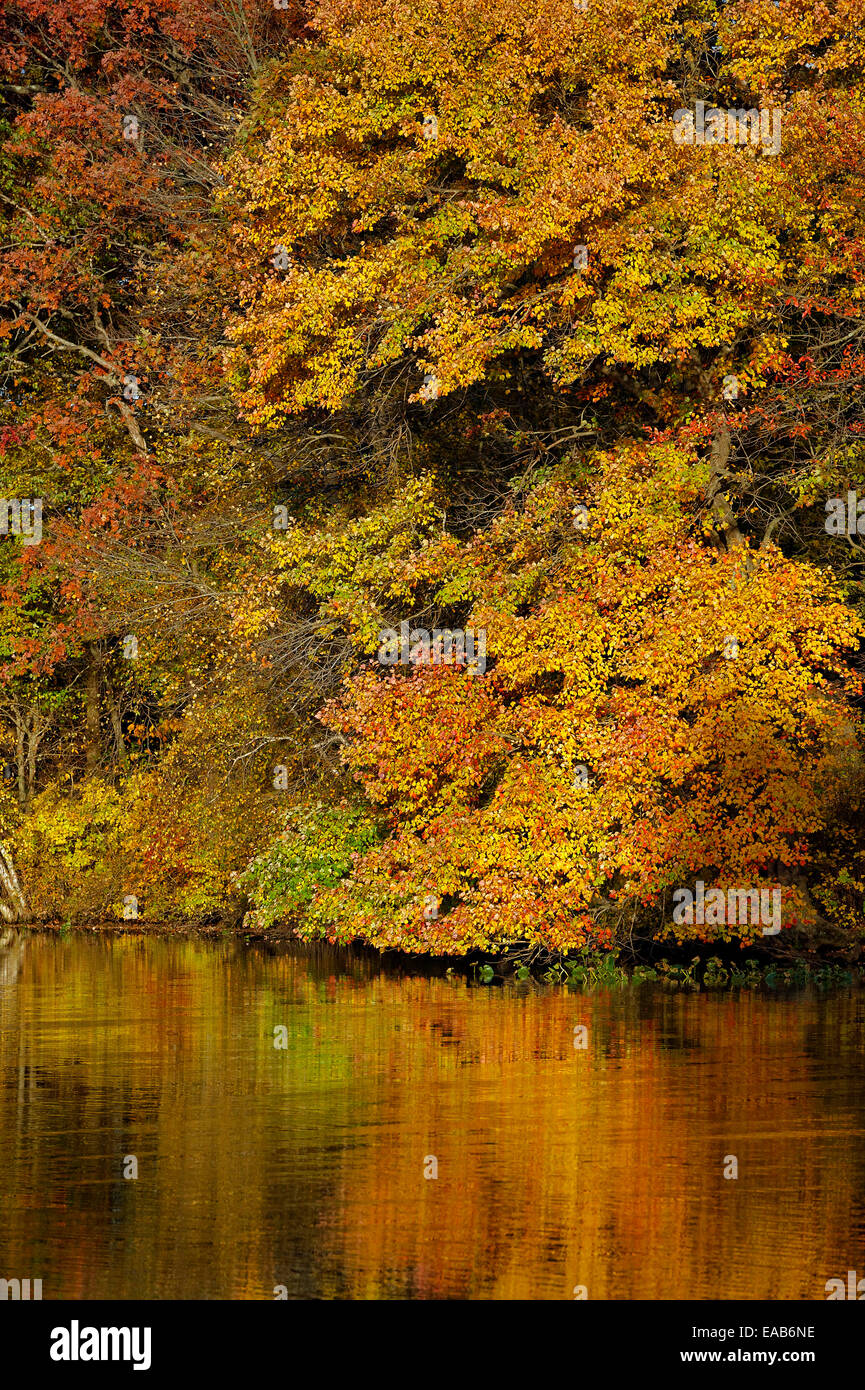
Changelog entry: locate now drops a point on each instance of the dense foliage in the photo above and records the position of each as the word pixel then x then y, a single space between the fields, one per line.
pixel 449 473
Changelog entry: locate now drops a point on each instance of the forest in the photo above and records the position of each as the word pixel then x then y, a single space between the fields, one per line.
pixel 432 462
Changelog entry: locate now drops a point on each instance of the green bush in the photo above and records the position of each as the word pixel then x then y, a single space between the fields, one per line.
pixel 314 851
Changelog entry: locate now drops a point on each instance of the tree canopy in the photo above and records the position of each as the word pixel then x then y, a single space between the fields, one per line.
pixel 530 335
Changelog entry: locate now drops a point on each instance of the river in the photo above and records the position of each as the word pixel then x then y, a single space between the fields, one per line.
pixel 315 1125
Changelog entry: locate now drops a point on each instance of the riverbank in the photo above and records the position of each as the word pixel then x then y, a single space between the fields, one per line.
pixel 714 967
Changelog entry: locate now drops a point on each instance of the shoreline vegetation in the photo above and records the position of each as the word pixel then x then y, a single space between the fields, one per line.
pixel 586 969
pixel 432 477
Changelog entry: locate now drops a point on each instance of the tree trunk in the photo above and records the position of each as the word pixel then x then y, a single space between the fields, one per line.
pixel 15 908
pixel 91 698
pixel 725 521
pixel 117 729
pixel 21 756
pixel 35 732
pixel 719 458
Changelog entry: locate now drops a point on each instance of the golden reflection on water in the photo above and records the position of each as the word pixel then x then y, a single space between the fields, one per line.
pixel 304 1166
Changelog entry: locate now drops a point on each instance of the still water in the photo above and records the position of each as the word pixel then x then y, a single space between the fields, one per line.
pixel 304 1166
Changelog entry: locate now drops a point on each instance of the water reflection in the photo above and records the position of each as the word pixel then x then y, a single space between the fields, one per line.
pixel 303 1165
